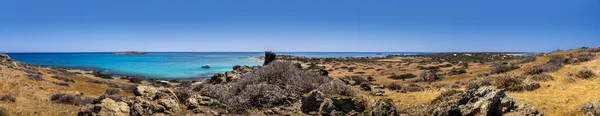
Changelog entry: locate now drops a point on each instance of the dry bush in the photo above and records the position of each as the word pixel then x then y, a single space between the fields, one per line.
pixel 65 79
pixel 526 60
pixel 569 80
pixel 498 68
pixel 542 77
pixel 3 111
pixel 277 83
pixel 183 93
pixel 454 71
pixel 508 82
pixel 71 98
pixel 557 59
pixel 62 84
pixel 36 77
pixel 410 88
pixel 403 76
pixel 354 80
pixel 112 91
pixel 580 58
pixel 585 73
pixel 546 67
pixel 8 98
pixel 478 82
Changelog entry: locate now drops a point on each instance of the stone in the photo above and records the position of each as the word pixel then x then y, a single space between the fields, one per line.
pixel 378 92
pixel 218 78
pixel 4 56
pixel 150 100
pixel 197 100
pixel 312 101
pixel 591 108
pixel 348 104
pixel 269 57
pixel 384 107
pixel 482 101
pixel 107 107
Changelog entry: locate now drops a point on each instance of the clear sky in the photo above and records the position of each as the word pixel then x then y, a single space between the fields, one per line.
pixel 298 25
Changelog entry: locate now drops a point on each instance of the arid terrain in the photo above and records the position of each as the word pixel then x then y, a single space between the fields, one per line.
pixel 563 82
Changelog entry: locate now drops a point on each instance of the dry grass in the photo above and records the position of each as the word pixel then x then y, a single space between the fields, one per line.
pixel 559 97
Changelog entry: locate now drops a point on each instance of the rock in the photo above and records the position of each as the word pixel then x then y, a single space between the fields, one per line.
pixel 107 107
pixel 366 87
pixel 384 107
pixel 530 85
pixel 328 109
pixel 482 101
pixel 197 100
pixel 4 56
pixel 312 101
pixel 153 101
pixel 378 92
pixel 348 104
pixel 218 78
pixel 269 57
pixel 591 108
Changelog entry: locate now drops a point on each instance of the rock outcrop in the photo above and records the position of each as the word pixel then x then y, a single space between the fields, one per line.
pixel 312 101
pixel 591 108
pixel 197 100
pixel 4 57
pixel 107 107
pixel 153 101
pixel 218 78
pixel 482 101
pixel 269 57
pixel 384 107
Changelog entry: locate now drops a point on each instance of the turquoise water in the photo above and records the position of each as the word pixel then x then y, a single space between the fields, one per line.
pixel 165 65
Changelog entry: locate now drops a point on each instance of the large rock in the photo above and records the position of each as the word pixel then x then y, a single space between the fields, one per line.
pixel 342 105
pixel 4 57
pixel 269 57
pixel 312 101
pixel 107 107
pixel 384 107
pixel 153 101
pixel 591 108
pixel 218 78
pixel 482 101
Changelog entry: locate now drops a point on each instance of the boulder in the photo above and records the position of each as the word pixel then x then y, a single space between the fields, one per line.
pixel 153 101
pixel 312 101
pixel 327 108
pixel 591 108
pixel 197 100
pixel 4 57
pixel 482 101
pixel 107 107
pixel 218 78
pixel 349 104
pixel 384 107
pixel 269 57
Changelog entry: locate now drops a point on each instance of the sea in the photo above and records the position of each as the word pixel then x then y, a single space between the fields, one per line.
pixel 169 65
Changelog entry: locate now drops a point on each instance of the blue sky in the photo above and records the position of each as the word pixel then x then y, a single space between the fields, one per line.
pixel 298 25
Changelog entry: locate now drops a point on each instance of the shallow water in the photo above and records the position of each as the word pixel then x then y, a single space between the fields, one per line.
pixel 165 65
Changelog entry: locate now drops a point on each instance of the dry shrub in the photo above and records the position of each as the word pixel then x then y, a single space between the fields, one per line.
pixel 557 60
pixel 71 98
pixel 546 67
pixel 410 88
pixel 277 83
pixel 36 77
pixel 478 82
pixel 498 68
pixel 542 77
pixel 356 80
pixel 585 73
pixel 3 111
pixel 8 98
pixel 569 80
pixel 454 71
pixel 508 82
pixel 526 60
pixel 403 76
pixel 112 91
pixel 62 84
pixel 63 78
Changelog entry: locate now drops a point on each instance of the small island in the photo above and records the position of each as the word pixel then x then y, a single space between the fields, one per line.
pixel 129 52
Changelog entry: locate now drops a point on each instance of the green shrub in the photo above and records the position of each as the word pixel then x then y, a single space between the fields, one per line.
pixel 104 76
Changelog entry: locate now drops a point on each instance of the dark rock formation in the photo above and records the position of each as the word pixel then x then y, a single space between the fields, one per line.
pixel 591 108
pixel 312 101
pixel 269 57
pixel 384 107
pixel 197 100
pixel 218 78
pixel 482 101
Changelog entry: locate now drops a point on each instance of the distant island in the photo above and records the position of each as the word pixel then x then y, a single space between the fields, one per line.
pixel 129 52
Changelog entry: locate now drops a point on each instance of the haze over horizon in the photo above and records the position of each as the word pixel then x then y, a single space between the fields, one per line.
pixel 305 26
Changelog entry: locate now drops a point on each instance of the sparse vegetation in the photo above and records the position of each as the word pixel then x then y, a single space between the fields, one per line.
pixel 444 94
pixel 36 77
pixel 104 76
pixel 403 76
pixel 135 80
pixel 8 98
pixel 454 71
pixel 278 83
pixel 410 88
pixel 3 111
pixel 112 91
pixel 504 67
pixel 71 98
pixel 542 77
pixel 354 80
pixel 585 73
pixel 63 78
pixel 62 84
